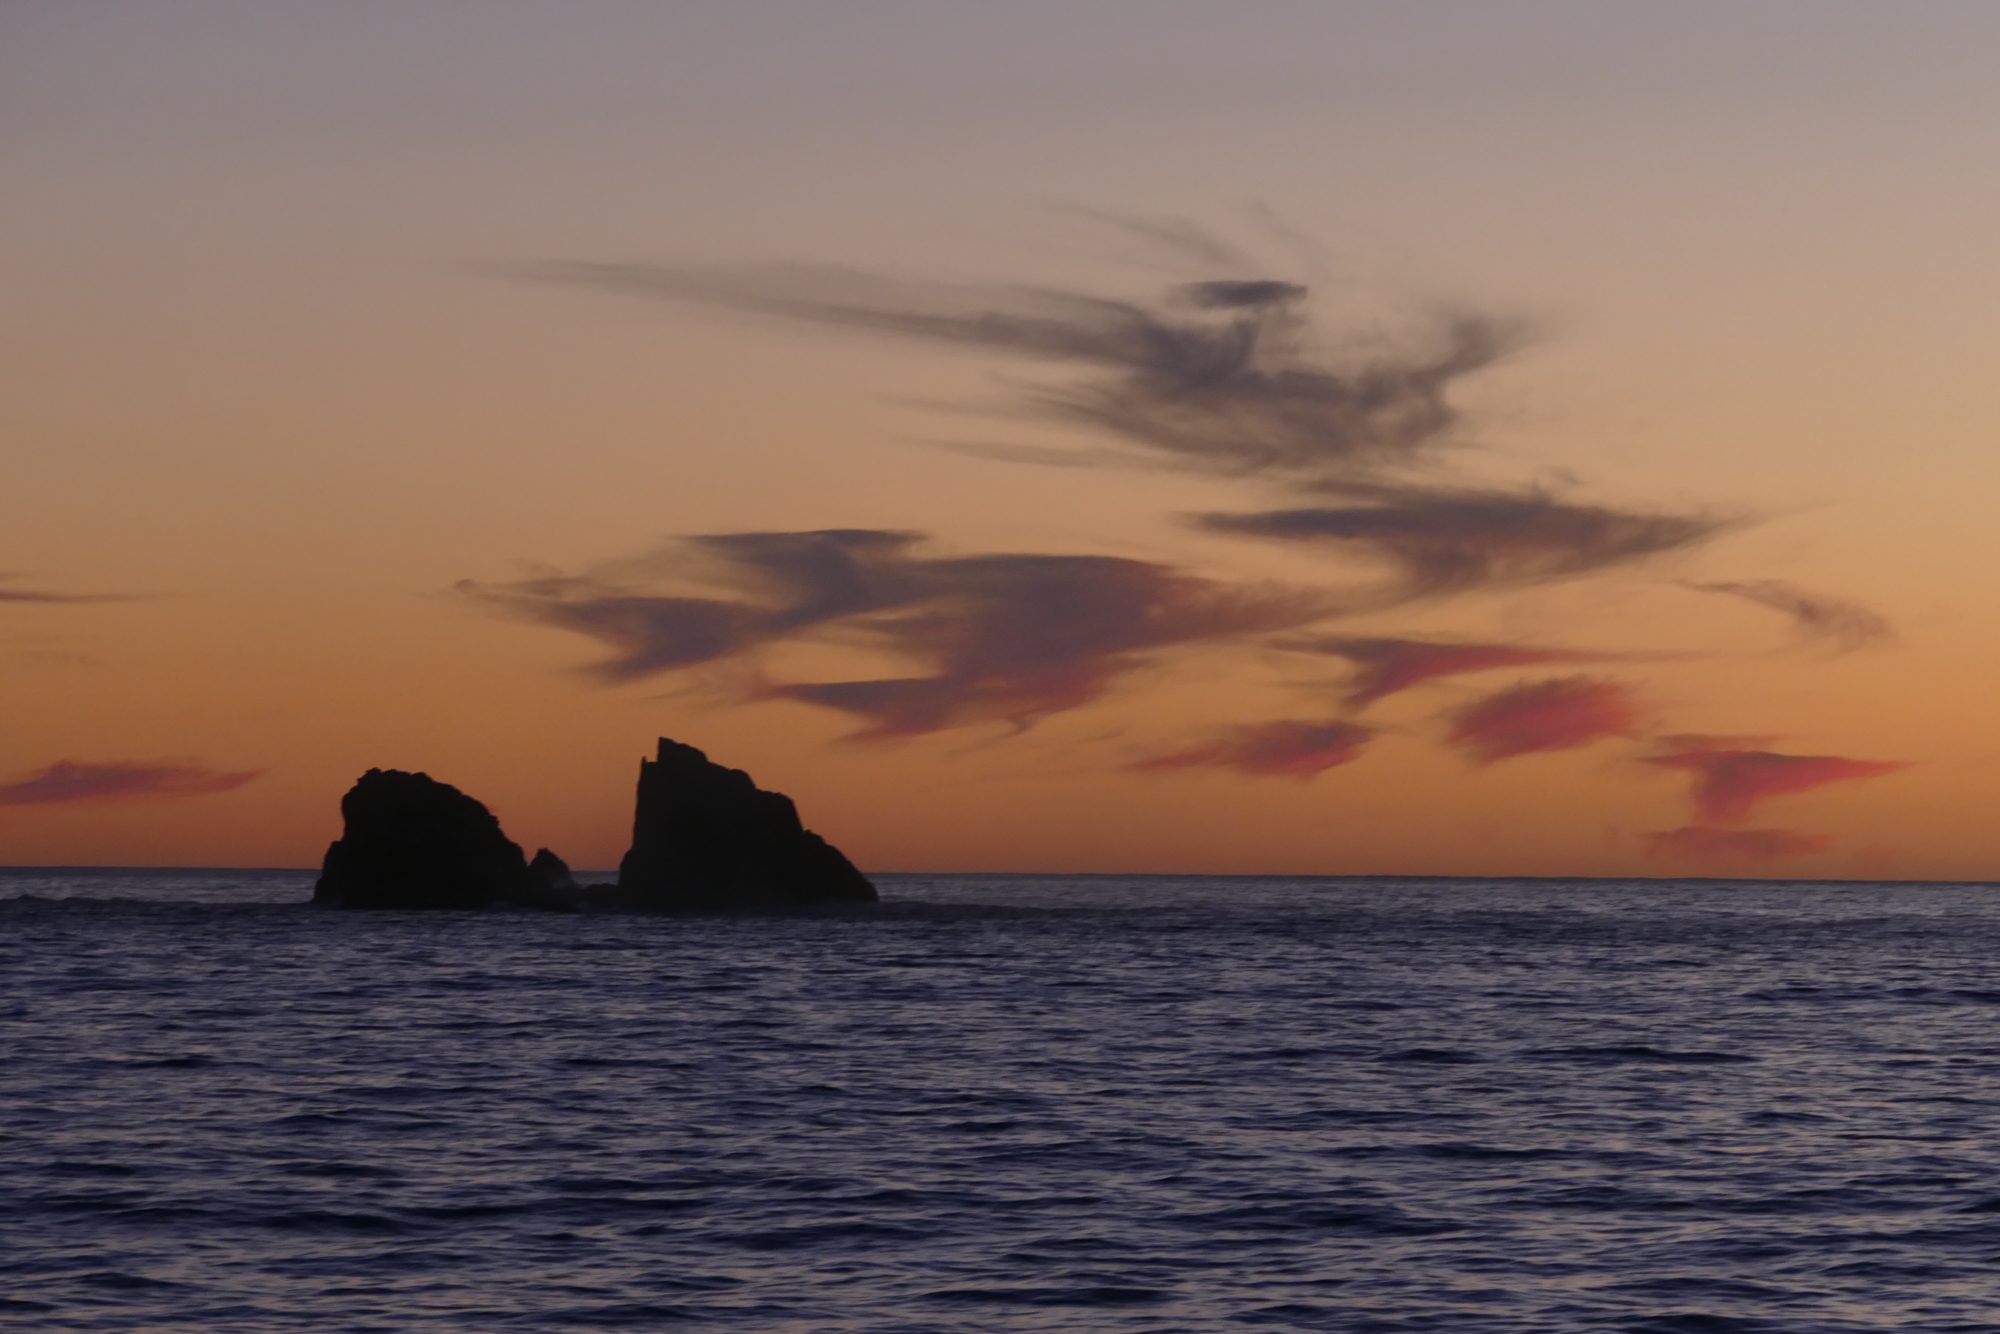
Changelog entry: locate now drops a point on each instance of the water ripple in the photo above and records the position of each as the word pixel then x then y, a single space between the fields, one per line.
pixel 1005 1103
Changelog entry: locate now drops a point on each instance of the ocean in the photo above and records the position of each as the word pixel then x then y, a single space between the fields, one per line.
pixel 1005 1103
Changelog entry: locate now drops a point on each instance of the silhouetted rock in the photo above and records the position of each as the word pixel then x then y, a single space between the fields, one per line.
pixel 704 837
pixel 550 873
pixel 410 841
pixel 708 837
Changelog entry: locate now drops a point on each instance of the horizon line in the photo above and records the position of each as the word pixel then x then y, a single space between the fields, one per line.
pixel 1397 876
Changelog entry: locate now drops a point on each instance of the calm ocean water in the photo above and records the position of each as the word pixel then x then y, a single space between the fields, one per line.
pixel 1005 1103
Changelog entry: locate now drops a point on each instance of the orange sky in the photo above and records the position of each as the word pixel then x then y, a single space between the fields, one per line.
pixel 286 360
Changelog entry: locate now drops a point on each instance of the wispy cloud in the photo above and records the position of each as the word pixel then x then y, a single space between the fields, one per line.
pixel 1557 714
pixel 70 781
pixel 1436 542
pixel 780 584
pixel 1288 748
pixel 1836 622
pixel 1179 240
pixel 1732 780
pixel 1350 429
pixel 1704 844
pixel 1010 637
pixel 1233 374
pixel 1225 376
pixel 38 658
pixel 50 596
pixel 1386 666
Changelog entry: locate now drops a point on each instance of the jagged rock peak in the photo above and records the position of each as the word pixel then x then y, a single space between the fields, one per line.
pixel 551 872
pixel 706 836
pixel 409 841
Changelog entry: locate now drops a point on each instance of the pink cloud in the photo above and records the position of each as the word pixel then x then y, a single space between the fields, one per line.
pixel 1557 714
pixel 1700 843
pixel 68 781
pixel 1387 666
pixel 1284 749
pixel 1732 780
pixel 1008 637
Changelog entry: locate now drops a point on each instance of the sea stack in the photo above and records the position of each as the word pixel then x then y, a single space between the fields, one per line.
pixel 409 841
pixel 707 837
pixel 551 874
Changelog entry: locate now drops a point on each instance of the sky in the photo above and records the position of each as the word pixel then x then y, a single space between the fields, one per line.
pixel 1458 438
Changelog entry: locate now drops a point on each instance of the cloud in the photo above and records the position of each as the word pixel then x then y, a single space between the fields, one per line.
pixel 1231 376
pixel 1234 294
pixel 47 596
pixel 30 659
pixel 69 781
pixel 1843 625
pixel 1387 666
pixel 1557 714
pixel 1446 541
pixel 1700 843
pixel 1225 376
pixel 1731 781
pixel 647 634
pixel 783 584
pixel 1009 637
pixel 1298 749
pixel 1714 741
pixel 1016 637
pixel 1178 238
pixel 907 706
pixel 1350 431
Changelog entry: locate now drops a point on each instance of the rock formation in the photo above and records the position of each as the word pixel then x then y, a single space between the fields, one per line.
pixel 704 837
pixel 410 841
pixel 551 874
pixel 707 837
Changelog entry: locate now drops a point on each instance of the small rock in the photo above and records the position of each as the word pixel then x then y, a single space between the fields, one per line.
pixel 708 837
pixel 410 841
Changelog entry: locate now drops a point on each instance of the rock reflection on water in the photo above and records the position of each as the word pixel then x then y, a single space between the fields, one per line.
pixel 1032 1103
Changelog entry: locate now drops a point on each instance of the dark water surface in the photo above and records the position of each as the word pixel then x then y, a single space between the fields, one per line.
pixel 1037 1103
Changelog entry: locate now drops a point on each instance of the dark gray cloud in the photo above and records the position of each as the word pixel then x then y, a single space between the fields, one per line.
pixel 1350 434
pixel 647 634
pixel 1010 637
pixel 1239 294
pixel 1014 638
pixel 1222 376
pixel 781 584
pixel 807 578
pixel 1443 541
pixel 1231 376
pixel 1835 622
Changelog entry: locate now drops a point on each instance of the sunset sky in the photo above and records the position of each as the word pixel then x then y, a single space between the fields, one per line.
pixel 1443 438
